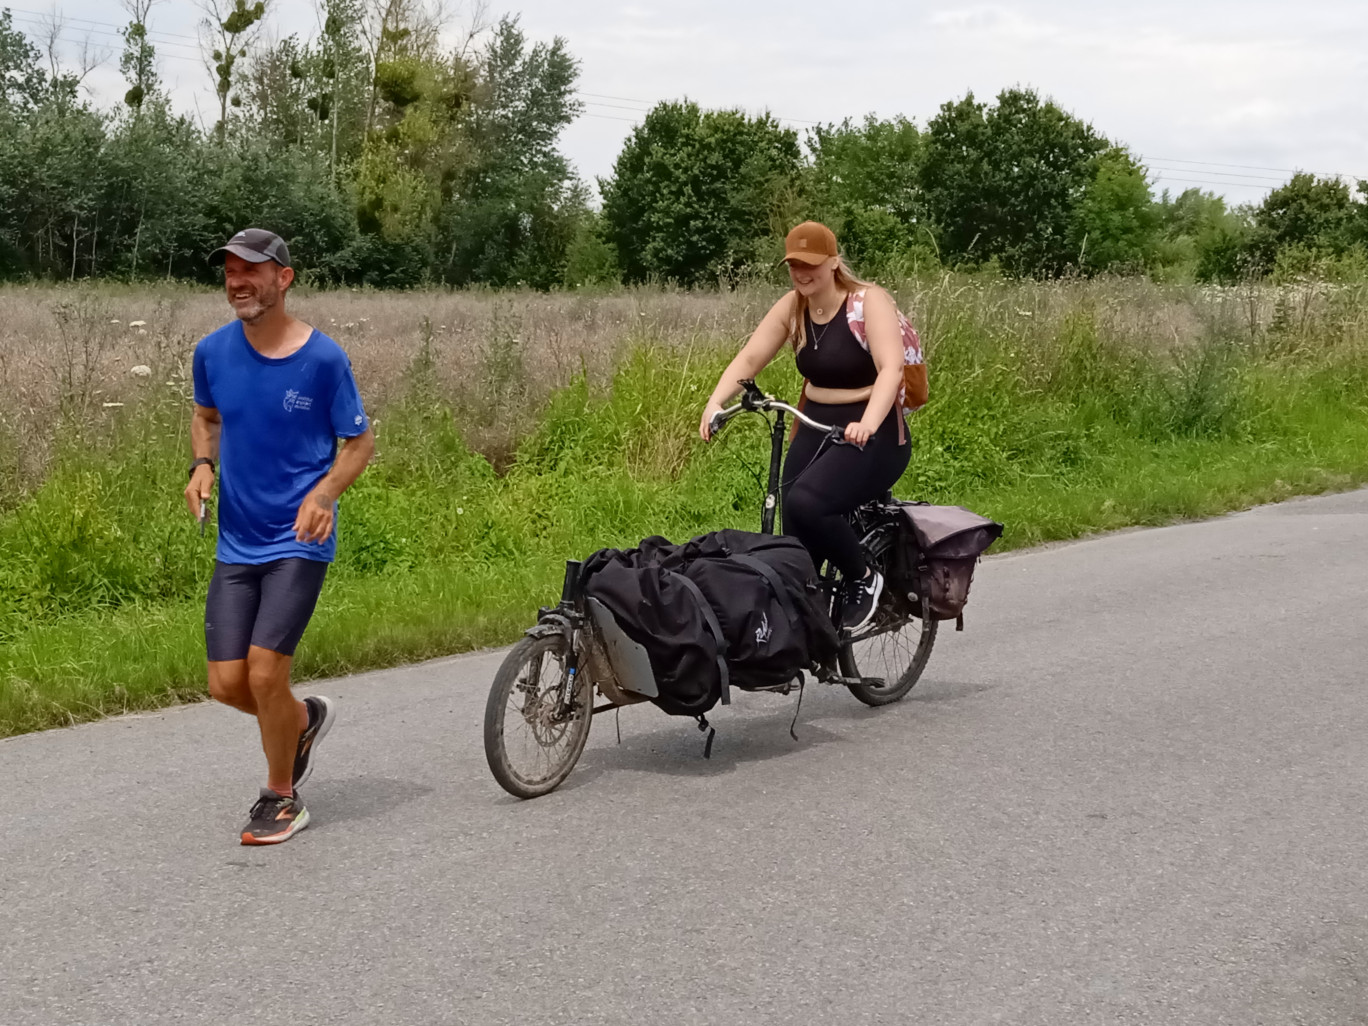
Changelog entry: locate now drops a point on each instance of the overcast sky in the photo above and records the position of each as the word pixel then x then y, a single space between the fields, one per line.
pixel 1216 93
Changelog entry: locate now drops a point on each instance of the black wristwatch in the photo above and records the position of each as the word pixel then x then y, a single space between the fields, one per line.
pixel 201 461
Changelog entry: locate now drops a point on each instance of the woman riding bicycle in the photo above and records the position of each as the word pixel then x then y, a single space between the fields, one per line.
pixel 846 384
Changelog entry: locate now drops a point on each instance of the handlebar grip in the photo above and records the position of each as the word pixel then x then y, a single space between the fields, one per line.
pixel 715 423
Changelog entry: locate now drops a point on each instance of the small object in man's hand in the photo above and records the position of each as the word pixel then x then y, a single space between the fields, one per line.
pixel 203 516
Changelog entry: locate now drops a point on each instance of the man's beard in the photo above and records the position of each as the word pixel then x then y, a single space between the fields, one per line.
pixel 257 306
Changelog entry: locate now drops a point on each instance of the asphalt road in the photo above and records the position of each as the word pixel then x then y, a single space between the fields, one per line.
pixel 1131 792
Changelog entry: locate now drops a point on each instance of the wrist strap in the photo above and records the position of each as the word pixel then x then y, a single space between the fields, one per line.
pixel 201 461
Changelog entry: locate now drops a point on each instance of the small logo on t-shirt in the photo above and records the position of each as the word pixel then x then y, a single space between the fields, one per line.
pixel 359 419
pixel 295 401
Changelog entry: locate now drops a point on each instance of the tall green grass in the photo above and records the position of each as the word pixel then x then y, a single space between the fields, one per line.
pixel 1057 429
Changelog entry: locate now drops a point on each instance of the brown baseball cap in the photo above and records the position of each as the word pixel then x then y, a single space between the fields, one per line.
pixel 256 246
pixel 810 243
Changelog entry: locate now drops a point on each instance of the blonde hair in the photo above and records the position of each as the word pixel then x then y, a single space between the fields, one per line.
pixel 845 278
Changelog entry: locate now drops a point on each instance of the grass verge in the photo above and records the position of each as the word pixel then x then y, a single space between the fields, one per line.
pixel 102 575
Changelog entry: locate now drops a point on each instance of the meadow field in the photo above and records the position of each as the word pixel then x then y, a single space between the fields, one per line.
pixel 518 429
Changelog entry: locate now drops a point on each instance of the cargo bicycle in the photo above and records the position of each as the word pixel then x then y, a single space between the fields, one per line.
pixel 543 698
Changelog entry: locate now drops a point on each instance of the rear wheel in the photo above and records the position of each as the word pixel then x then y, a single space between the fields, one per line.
pixel 532 741
pixel 896 645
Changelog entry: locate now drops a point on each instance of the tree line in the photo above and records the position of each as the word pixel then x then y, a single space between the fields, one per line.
pixel 388 156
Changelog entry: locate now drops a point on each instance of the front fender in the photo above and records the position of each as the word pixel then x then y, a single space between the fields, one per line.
pixel 550 626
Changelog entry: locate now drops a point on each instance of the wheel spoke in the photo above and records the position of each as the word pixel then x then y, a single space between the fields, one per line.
pixel 530 742
pixel 896 647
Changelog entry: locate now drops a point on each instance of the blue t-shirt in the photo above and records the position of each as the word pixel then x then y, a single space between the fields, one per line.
pixel 281 421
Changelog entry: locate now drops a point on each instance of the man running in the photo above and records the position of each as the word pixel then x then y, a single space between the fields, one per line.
pixel 272 397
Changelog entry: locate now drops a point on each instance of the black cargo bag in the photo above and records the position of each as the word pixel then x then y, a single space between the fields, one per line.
pixel 941 545
pixel 725 609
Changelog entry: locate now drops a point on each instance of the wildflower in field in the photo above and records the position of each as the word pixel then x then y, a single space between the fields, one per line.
pixel 136 324
pixel 140 371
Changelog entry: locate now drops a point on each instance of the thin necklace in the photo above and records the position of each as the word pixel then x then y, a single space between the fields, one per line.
pixel 812 325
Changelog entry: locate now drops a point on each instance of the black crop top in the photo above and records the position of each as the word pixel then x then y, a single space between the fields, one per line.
pixel 833 357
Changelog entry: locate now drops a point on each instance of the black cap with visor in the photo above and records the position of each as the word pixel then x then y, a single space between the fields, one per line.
pixel 256 246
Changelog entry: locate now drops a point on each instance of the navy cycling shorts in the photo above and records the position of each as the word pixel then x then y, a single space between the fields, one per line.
pixel 266 604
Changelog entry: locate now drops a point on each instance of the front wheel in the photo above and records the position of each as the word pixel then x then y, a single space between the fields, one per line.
pixel 532 740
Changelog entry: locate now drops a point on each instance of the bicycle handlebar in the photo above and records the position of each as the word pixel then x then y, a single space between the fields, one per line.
pixel 755 401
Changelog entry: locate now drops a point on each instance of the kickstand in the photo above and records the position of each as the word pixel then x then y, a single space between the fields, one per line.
pixel 712 733
pixel 617 722
pixel 801 681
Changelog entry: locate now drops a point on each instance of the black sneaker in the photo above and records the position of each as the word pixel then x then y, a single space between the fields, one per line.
pixel 858 608
pixel 321 716
pixel 275 818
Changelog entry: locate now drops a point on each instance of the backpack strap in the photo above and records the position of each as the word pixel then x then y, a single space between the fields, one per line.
pixel 776 584
pixel 710 618
pixel 855 318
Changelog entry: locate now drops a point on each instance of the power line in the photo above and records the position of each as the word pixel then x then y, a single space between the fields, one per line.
pixel 610 117
pixel 613 106
pixel 1208 182
pixel 92 21
pixel 69 34
pixel 1257 167
pixel 625 99
pixel 1219 174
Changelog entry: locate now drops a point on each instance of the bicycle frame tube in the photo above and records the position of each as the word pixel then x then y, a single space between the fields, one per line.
pixel 772 491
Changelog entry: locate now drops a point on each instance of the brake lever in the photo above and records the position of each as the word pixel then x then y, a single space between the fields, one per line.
pixel 752 398
pixel 837 437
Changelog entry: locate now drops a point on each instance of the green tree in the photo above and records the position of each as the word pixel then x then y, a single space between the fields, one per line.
pixel 513 208
pixel 1318 215
pixel 138 62
pixel 1200 237
pixel 344 72
pixel 862 182
pixel 275 91
pixel 23 83
pixel 590 259
pixel 1116 225
pixel 226 29
pixel 696 196
pixel 158 189
pixel 1005 181
pixel 415 148
pixel 58 172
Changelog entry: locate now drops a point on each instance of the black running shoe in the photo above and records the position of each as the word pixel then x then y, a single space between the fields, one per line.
pixel 275 818
pixel 321 716
pixel 859 604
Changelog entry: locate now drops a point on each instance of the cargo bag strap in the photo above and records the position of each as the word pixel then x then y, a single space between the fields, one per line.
pixel 776 584
pixel 710 618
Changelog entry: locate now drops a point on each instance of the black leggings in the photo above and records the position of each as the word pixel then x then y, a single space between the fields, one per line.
pixel 824 482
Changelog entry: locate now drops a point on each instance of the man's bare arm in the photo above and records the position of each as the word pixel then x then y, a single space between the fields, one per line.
pixel 314 522
pixel 205 428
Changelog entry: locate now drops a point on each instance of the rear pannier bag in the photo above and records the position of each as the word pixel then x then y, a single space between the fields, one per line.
pixel 729 608
pixel 941 546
